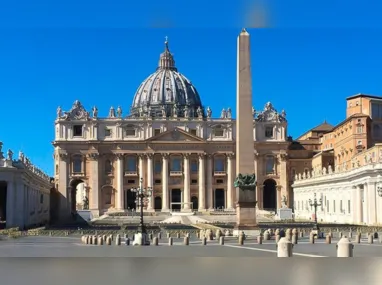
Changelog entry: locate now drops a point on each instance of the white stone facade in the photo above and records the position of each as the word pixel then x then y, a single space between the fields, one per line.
pixel 348 196
pixel 25 190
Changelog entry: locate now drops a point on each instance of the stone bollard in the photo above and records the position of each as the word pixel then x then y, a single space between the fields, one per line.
pixel 87 240
pixel 260 239
pixel 126 236
pixel 350 234
pixel 218 233
pixel 197 235
pixel 118 240
pixel 127 241
pixel 345 247
pixel 227 233
pixel 301 234
pixel 186 241
pixel 155 240
pixel 177 235
pixel 111 237
pixel 311 238
pixel 170 241
pixel 295 231
pixel 331 234
pixel 266 235
pixel 328 239
pixel 221 240
pixel 370 238
pixel 277 232
pixel 188 235
pixel 108 240
pixel 210 235
pixel 159 235
pixel 204 241
pixel 150 236
pixel 288 234
pixel 277 239
pixel 94 238
pixel 104 238
pixel 100 241
pixel 241 240
pixel 358 238
pixel 284 248
pixel 294 238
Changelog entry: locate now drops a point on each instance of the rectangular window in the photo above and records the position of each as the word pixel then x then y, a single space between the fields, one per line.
pixel 327 206
pixel 156 132
pixel 334 206
pixel 269 132
pixel 219 181
pixel 349 206
pixel 158 166
pixel 107 133
pixel 130 181
pixel 341 206
pixel 193 132
pixel 130 132
pixel 158 181
pixel 131 164
pixel 194 181
pixel 77 165
pixel 77 131
pixel 359 130
pixel 218 132
pixel 219 164
pixel 270 165
pixel 194 166
pixel 176 164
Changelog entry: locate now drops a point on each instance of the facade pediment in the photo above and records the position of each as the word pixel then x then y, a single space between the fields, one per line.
pixel 270 115
pixel 175 135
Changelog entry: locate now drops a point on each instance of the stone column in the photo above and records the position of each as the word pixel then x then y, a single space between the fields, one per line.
pixel 202 183
pixel 150 180
pixel 354 204
pixel 120 176
pixel 256 163
pixel 94 185
pixel 230 176
pixel 186 190
pixel 366 203
pixel 209 182
pixel 372 200
pixel 11 209
pixel 165 198
pixel 359 205
pixel 278 201
pixel 141 158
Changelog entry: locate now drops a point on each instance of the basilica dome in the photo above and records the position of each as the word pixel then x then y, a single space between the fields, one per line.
pixel 167 93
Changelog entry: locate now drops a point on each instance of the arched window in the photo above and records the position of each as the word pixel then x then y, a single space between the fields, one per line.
pixel 77 164
pixel 108 167
pixel 270 165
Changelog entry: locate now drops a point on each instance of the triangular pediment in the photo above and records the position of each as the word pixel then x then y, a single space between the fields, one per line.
pixel 175 135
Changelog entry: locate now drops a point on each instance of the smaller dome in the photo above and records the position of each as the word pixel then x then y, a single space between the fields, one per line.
pixel 167 92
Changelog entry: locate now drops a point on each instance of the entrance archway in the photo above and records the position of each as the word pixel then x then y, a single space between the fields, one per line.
pixel 77 195
pixel 270 195
pixel 130 200
pixel 176 197
pixel 158 203
pixel 3 204
pixel 219 199
pixel 195 203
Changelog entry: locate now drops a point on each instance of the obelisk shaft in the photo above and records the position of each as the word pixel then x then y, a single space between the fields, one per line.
pixel 246 199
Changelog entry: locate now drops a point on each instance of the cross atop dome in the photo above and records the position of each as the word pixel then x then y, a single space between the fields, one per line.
pixel 166 60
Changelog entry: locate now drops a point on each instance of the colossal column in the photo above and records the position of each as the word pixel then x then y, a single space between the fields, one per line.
pixel 186 193
pixel 120 176
pixel 94 185
pixel 165 198
pixel 245 182
pixel 202 183
pixel 150 180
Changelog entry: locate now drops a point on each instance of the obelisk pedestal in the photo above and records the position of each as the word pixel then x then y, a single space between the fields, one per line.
pixel 245 181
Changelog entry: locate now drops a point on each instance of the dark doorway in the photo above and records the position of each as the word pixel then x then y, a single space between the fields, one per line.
pixel 3 204
pixel 130 200
pixel 195 203
pixel 158 203
pixel 219 199
pixel 73 195
pixel 269 195
pixel 176 197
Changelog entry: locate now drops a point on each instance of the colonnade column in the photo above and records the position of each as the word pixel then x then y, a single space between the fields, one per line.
pixel 353 204
pixel 359 204
pixel 202 183
pixel 209 182
pixel 366 203
pixel 186 193
pixel 150 180
pixel 120 176
pixel 10 204
pixel 229 181
pixel 94 185
pixel 165 198
pixel 372 200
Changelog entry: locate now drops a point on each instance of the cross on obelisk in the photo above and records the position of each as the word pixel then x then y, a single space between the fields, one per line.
pixel 245 181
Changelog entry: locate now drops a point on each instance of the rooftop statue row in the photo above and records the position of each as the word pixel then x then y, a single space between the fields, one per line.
pixel 317 172
pixel 22 162
pixel 78 112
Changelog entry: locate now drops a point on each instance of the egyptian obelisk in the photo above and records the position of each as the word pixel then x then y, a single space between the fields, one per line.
pixel 245 195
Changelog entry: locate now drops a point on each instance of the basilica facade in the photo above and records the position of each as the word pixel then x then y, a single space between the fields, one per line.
pixel 171 142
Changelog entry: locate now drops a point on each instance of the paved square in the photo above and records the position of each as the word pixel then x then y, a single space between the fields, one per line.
pixel 72 247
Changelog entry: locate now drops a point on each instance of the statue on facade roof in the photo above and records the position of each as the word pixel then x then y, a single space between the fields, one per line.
pixel 229 113
pixel 10 155
pixel 223 114
pixel 119 112
pixel 209 112
pixel 199 112
pixel 95 112
pixel 111 112
pixel 59 112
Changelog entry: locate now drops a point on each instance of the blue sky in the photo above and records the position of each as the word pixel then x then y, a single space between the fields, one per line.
pixel 307 60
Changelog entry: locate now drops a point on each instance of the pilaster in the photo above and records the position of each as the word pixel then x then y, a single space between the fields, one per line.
pixel 120 177
pixel 372 200
pixel 150 180
pixel 209 182
pixel 94 183
pixel 186 173
pixel 165 196
pixel 230 157
pixel 202 183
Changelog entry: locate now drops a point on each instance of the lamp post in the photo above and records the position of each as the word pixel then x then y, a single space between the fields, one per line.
pixel 142 194
pixel 315 204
